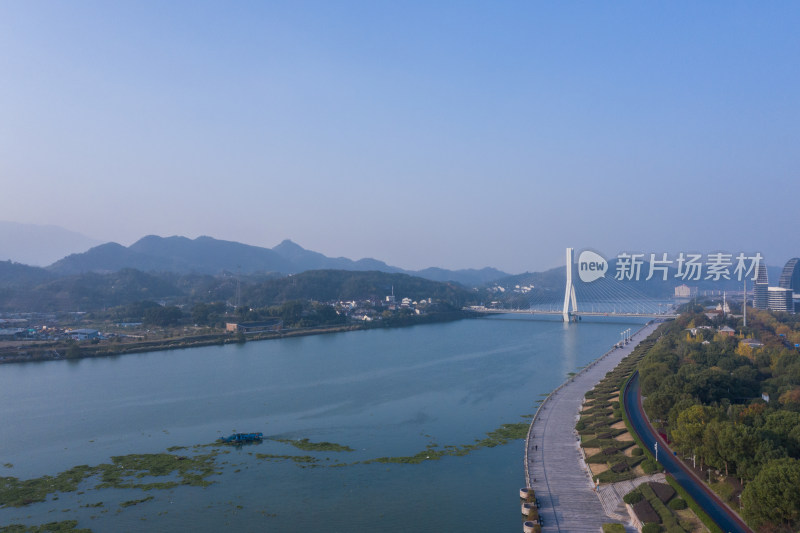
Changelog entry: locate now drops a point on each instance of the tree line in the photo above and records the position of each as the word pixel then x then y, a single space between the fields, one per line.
pixel 705 390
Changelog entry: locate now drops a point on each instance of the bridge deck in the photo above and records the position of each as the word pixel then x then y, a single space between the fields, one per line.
pixel 490 311
pixel 556 470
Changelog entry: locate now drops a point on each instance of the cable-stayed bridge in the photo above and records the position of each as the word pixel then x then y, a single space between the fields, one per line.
pixel 604 296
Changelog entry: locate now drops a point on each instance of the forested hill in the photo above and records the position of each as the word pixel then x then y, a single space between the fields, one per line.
pixel 43 292
pixel 331 285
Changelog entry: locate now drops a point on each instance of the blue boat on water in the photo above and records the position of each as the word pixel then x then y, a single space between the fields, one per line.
pixel 240 438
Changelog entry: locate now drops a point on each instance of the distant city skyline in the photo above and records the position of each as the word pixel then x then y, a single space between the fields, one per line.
pixel 421 134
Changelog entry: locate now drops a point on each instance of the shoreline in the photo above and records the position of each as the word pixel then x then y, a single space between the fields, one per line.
pixel 553 464
pixel 564 384
pixel 58 351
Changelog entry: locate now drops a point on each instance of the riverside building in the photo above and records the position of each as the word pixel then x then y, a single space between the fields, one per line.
pixel 780 299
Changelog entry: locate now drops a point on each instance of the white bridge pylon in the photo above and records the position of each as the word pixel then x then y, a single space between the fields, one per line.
pixel 569 292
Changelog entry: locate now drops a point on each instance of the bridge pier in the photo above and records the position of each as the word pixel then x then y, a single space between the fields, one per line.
pixel 569 293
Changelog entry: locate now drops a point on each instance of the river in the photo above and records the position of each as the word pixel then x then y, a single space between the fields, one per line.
pixel 382 392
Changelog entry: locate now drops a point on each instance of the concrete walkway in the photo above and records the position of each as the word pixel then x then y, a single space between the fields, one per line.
pixel 554 466
pixel 611 495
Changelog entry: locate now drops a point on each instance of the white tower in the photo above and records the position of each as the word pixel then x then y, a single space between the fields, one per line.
pixel 569 293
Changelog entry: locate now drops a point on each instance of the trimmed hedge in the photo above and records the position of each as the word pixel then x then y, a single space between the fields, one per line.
pixel 634 496
pixel 650 466
pixel 677 504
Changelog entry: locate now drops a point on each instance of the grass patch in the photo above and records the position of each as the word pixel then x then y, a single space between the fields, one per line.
pixel 725 492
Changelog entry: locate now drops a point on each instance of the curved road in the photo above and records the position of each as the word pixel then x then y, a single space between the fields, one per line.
pixel 720 513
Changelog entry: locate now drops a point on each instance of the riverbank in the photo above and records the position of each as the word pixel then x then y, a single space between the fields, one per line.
pixel 24 352
pixel 554 466
pixel 390 392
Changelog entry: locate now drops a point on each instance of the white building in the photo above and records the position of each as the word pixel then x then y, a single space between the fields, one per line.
pixel 780 299
pixel 684 291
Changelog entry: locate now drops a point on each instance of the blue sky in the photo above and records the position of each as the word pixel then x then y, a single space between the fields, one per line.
pixel 452 134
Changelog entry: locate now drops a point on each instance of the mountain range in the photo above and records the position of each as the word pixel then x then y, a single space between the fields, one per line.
pixel 206 255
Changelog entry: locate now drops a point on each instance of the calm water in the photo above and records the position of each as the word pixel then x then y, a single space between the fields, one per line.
pixel 382 392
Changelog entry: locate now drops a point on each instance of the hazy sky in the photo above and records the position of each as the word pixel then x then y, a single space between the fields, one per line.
pixel 454 134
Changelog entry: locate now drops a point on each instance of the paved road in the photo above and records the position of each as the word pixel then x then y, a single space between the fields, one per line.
pixel 720 513
pixel 555 467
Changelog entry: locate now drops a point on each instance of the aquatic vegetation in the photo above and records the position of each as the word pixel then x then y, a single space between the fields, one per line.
pixel 192 470
pixel 497 437
pixel 98 504
pixel 135 502
pixel 305 444
pixel 125 472
pixel 506 433
pixel 65 526
pixel 307 459
pixel 16 493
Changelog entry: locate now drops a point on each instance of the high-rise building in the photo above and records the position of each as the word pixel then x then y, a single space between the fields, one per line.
pixel 790 277
pixel 780 299
pixel 760 296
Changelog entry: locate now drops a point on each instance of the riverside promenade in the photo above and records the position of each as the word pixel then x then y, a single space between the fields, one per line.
pixel 554 466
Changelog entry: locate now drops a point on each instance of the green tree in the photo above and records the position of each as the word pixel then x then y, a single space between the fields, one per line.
pixel 291 312
pixel 162 316
pixel 690 426
pixel 773 498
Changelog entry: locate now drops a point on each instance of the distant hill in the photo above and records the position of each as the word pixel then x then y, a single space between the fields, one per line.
pixel 468 277
pixel 206 255
pixel 109 257
pixel 202 255
pixel 94 291
pixel 32 244
pixel 303 260
pixel 88 292
pixel 19 275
